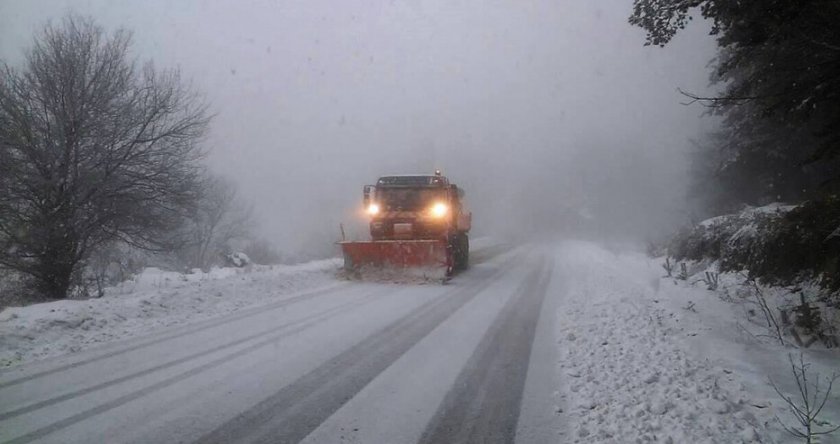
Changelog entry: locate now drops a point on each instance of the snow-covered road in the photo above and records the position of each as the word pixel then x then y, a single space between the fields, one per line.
pixel 573 342
pixel 357 362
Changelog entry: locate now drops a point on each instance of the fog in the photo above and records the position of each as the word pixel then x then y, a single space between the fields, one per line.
pixel 551 114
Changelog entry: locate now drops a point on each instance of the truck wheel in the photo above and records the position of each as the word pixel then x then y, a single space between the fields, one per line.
pixel 460 251
pixel 466 250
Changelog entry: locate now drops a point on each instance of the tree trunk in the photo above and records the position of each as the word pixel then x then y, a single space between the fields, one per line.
pixel 57 264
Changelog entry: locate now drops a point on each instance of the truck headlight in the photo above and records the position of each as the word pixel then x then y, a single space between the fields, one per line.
pixel 439 209
pixel 373 209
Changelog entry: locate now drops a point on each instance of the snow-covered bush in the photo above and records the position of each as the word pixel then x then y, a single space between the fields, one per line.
pixel 779 245
pixel 802 245
pixel 723 237
pixel 238 259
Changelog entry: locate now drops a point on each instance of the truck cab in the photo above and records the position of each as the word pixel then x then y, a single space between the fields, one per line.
pixel 415 219
pixel 415 207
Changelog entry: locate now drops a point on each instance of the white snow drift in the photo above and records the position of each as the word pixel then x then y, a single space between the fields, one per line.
pixel 151 300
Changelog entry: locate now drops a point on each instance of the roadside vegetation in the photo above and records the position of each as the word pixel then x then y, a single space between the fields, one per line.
pixel 102 170
pixel 768 180
pixel 776 73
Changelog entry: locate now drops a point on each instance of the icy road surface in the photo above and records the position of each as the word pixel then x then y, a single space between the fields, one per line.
pixel 470 361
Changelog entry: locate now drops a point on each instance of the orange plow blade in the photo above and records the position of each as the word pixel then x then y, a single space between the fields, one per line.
pixel 417 258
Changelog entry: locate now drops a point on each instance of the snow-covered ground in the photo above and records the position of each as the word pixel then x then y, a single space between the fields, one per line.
pixel 574 342
pixel 156 299
pixel 648 359
pixel 152 300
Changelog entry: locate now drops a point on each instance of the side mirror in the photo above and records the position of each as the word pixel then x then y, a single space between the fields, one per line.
pixel 368 191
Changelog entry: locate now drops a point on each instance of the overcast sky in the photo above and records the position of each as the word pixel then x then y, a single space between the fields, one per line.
pixel 544 111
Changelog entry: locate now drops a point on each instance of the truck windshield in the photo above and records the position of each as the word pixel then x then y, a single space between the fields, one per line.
pixel 410 199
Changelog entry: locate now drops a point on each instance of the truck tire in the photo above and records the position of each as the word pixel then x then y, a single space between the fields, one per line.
pixel 460 251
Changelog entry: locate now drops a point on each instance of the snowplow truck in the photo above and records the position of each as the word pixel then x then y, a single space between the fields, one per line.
pixel 418 224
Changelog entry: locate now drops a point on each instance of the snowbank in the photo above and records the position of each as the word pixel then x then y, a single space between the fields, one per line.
pixel 152 300
pixel 645 359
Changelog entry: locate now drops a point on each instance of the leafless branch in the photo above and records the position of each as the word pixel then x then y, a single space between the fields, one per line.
pixel 93 149
pixel 807 409
pixel 714 102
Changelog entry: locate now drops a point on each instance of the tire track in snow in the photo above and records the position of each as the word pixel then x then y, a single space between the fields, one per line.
pixel 291 328
pixel 176 333
pixel 74 394
pixel 299 408
pixel 484 403
pixel 484 254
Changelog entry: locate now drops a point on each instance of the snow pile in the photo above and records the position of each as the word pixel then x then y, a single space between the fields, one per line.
pixel 152 300
pixel 638 365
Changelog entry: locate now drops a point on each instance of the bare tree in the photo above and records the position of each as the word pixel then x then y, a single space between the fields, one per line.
pixel 93 149
pixel 220 217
